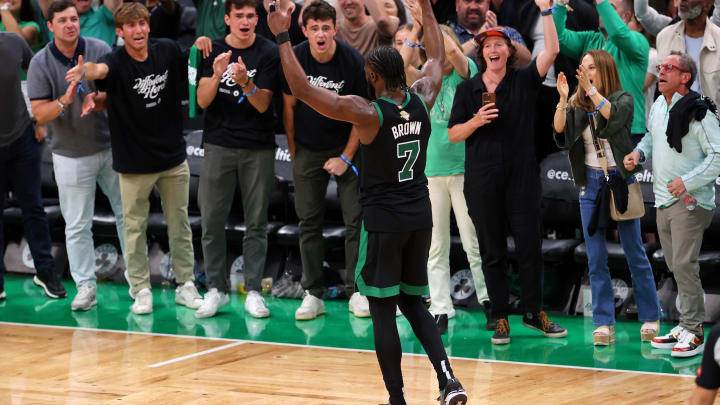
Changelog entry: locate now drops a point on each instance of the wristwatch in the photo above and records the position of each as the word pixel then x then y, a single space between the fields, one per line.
pixel 5 7
pixel 591 92
pixel 62 106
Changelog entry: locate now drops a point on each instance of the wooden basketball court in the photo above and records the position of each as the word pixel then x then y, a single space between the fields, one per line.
pixel 52 365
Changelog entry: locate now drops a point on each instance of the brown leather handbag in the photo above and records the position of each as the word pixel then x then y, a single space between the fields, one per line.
pixel 636 205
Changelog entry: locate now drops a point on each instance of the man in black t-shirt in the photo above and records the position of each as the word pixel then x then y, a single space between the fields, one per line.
pixel 145 81
pixel 393 131
pixel 320 147
pixel 237 83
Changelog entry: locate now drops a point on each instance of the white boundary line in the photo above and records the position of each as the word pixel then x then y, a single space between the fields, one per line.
pixel 198 354
pixel 345 349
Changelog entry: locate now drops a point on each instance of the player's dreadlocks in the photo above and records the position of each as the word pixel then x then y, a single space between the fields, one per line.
pixel 387 62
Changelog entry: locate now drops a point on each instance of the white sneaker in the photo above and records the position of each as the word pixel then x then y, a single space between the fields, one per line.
pixel 255 305
pixel 213 301
pixel 188 295
pixel 85 298
pixel 359 305
pixel 688 345
pixel 143 302
pixel 310 308
pixel 127 278
pixel 669 340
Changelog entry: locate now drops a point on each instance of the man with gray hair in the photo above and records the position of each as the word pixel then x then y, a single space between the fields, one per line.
pixel 697 36
pixel 684 139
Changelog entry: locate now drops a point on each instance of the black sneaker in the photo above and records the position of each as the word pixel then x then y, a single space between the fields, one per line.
pixel 541 323
pixel 502 332
pixel 442 323
pixel 453 393
pixel 50 282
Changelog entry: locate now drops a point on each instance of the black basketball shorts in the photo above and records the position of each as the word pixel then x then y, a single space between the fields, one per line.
pixel 390 262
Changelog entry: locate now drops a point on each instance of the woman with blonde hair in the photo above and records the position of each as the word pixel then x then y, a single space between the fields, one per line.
pixel 600 96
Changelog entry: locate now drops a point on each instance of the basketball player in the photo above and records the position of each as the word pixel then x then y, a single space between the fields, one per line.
pixel 397 219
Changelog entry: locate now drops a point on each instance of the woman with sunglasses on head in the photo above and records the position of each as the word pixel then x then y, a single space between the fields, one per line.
pixel 600 96
pixel 494 113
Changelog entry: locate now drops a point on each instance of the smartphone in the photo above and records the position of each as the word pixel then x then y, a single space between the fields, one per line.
pixel 488 98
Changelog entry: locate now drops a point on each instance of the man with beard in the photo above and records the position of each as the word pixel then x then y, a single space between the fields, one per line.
pixel 695 35
pixel 474 16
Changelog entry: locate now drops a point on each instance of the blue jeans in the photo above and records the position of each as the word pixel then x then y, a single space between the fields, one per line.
pixel 76 179
pixel 20 166
pixel 642 277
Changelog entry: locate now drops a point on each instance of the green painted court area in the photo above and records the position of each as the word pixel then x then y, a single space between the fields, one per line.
pixel 466 337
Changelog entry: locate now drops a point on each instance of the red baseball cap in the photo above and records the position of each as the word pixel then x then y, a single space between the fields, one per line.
pixel 492 32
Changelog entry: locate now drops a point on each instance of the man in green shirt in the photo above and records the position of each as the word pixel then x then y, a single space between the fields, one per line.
pixel 630 49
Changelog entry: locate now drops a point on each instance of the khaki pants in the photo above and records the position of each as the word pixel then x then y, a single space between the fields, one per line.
pixel 681 235
pixel 446 193
pixel 135 189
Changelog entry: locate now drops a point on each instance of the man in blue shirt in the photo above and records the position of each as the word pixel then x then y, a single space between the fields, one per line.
pixel 687 165
pixel 473 16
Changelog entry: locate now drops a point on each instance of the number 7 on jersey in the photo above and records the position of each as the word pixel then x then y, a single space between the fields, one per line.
pixel 409 150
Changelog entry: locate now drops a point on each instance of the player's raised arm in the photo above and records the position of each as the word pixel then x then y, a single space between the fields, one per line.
pixel 354 109
pixel 428 84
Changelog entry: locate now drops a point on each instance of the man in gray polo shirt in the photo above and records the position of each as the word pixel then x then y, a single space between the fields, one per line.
pixel 80 140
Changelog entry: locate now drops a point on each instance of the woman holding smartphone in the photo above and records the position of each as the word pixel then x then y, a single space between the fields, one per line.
pixel 600 95
pixel 502 182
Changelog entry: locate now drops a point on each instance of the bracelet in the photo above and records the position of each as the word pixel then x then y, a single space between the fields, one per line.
pixel 601 104
pixel 254 90
pixel 62 107
pixel 282 37
pixel 241 99
pixel 548 11
pixel 349 163
pixel 411 45
pixel 246 83
pixel 560 107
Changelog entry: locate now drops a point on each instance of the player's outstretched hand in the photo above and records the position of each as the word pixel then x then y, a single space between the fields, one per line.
pixel 279 15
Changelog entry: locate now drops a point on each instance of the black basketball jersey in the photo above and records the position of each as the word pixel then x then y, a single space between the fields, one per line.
pixel 393 187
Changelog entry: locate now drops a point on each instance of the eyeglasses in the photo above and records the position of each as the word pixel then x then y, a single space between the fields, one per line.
pixel 669 67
